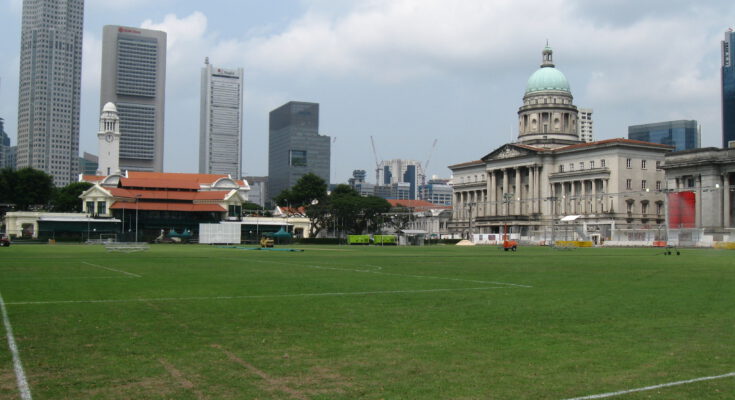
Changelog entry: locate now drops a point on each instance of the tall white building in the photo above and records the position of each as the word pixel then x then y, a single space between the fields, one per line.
pixel 134 79
pixel 585 125
pixel 109 141
pixel 220 121
pixel 49 89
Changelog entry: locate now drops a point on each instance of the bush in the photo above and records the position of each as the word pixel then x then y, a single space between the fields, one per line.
pixel 318 241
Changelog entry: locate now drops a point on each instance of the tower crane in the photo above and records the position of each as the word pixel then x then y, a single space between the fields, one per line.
pixel 377 161
pixel 426 164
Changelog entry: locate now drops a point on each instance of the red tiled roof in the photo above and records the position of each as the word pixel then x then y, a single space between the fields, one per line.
pixel 146 206
pixel 92 178
pixel 423 204
pixel 616 140
pixel 168 194
pixel 467 164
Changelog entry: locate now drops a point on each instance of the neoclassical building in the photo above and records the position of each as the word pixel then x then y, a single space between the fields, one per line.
pixel 611 186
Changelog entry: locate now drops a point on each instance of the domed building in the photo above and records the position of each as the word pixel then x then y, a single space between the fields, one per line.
pixel 609 188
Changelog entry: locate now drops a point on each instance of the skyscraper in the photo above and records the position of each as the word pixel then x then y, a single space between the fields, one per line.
pixel 4 145
pixel 134 79
pixel 728 90
pixel 295 146
pixel 49 87
pixel 682 134
pixel 586 133
pixel 220 121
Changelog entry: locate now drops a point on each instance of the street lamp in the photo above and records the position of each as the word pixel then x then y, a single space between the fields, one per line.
pixel 137 198
pixel 469 219
pixel 507 197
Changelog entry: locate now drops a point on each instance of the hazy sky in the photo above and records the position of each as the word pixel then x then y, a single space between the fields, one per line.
pixel 409 71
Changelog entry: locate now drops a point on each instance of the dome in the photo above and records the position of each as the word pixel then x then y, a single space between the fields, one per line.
pixel 109 107
pixel 547 78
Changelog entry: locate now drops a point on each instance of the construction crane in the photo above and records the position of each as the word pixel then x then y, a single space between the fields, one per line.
pixel 426 164
pixel 377 161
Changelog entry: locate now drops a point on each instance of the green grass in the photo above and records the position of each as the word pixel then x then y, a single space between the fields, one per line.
pixel 370 323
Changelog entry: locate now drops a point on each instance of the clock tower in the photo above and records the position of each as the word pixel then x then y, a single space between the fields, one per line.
pixel 109 141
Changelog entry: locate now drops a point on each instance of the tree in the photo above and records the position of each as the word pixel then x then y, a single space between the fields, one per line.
pixel 26 187
pixel 66 199
pixel 308 188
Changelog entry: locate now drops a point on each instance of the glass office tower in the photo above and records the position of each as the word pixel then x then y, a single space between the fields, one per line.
pixel 728 90
pixel 683 134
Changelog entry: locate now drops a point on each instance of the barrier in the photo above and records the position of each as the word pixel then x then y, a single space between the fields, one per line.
pixel 724 245
pixel 127 247
pixel 574 243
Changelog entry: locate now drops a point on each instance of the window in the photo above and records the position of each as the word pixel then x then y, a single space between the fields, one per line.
pixel 234 210
pixel 629 206
pixel 659 208
pixel 644 184
pixel 571 166
pixel 658 185
pixel 643 164
pixel 658 165
pixel 592 164
pixel 629 184
pixel 581 165
pixel 101 208
pixel 90 207
pixel 628 163
pixel 297 158
pixel 602 163
pixel 644 208
pixel 561 168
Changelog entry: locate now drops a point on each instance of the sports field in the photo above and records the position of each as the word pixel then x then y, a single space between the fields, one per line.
pixel 443 322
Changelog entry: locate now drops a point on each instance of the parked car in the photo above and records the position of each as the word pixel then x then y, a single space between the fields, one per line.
pixel 5 241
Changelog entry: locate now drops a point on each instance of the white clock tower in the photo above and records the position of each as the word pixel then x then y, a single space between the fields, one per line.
pixel 109 141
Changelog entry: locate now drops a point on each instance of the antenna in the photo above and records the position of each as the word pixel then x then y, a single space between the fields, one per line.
pixel 426 164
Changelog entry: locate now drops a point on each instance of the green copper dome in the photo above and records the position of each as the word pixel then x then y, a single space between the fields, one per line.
pixel 547 78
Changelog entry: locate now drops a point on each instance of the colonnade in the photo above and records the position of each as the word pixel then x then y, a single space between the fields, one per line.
pixel 583 196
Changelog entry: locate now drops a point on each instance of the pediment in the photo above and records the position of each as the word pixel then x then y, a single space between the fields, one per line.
pixel 508 151
pixel 95 191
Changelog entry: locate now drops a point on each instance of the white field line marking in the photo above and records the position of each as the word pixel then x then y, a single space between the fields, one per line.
pixel 263 296
pixel 112 269
pixel 20 375
pixel 369 271
pixel 64 278
pixel 663 385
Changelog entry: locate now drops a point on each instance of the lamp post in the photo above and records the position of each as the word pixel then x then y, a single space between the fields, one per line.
pixel 507 197
pixel 469 220
pixel 137 198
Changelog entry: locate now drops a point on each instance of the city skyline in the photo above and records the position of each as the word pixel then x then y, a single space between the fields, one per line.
pixel 383 69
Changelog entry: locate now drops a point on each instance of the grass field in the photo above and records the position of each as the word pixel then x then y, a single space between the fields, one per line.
pixel 444 322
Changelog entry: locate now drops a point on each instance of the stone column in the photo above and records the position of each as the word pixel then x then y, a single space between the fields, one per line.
pixel 563 198
pixel 605 190
pixel 519 193
pixel 531 201
pixel 594 196
pixel 493 189
pixel 585 200
pixel 504 210
pixel 488 188
pixel 726 200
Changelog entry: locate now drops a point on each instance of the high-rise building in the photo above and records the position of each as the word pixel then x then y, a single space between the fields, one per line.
pixel 682 134
pixel 134 79
pixel 49 87
pixel 295 146
pixel 401 171
pixel 4 145
pixel 728 90
pixel 220 121
pixel 88 164
pixel 585 125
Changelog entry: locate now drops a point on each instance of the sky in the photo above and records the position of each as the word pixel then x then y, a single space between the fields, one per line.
pixel 408 72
